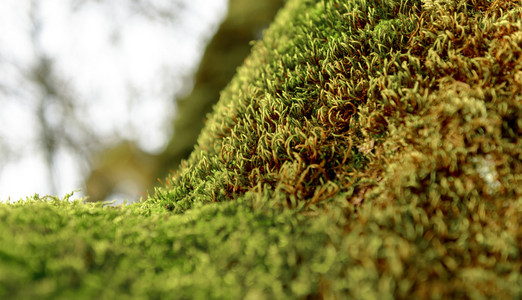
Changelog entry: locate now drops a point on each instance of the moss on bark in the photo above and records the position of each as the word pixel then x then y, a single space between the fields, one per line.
pixel 367 149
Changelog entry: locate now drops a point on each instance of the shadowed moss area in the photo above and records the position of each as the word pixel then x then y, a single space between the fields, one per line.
pixel 366 149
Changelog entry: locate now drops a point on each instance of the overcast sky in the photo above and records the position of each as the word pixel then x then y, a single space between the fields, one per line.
pixel 126 79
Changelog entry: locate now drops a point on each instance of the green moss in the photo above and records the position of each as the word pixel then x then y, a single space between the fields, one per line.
pixel 57 250
pixel 366 149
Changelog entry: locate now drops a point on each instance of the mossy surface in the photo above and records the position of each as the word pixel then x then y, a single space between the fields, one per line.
pixel 53 249
pixel 366 149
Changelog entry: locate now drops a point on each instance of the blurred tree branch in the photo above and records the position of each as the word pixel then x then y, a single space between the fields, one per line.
pixel 56 110
pixel 165 11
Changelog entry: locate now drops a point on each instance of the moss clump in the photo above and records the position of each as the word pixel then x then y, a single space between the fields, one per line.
pixel 366 149
pixel 337 92
pixel 409 111
pixel 54 249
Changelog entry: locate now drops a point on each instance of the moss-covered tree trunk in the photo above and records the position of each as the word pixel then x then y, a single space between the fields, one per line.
pixel 366 149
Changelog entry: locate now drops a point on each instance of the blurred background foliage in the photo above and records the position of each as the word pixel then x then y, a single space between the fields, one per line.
pixel 125 170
